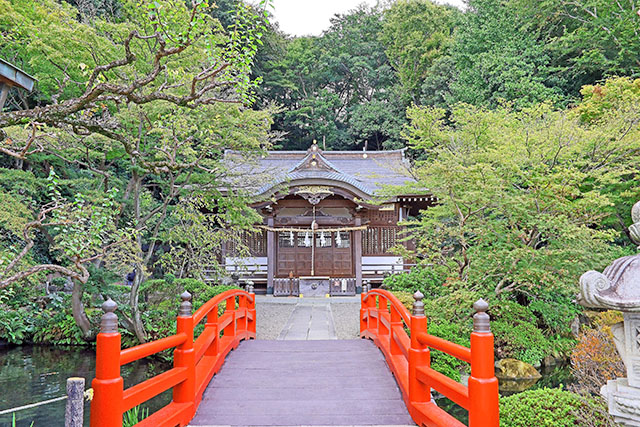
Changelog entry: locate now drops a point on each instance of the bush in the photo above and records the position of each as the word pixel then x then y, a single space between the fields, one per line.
pixel 449 318
pixel 552 408
pixel 15 326
pixel 522 335
pixel 425 279
pixel 595 359
pixel 163 300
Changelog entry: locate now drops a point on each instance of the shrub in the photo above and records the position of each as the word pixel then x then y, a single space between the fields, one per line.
pixel 163 300
pixel 520 334
pixel 595 359
pixel 425 279
pixel 449 318
pixel 551 408
pixel 15 326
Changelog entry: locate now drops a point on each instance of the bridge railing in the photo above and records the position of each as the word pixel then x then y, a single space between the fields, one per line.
pixel 384 319
pixel 194 362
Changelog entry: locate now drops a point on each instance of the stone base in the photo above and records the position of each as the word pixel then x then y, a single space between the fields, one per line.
pixel 623 401
pixel 314 286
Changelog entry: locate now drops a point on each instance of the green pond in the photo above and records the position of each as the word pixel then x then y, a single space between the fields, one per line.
pixel 30 374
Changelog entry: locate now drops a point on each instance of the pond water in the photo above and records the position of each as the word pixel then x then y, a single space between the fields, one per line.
pixel 30 374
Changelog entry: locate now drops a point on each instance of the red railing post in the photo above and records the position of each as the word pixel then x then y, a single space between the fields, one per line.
pixel 212 324
pixel 395 323
pixel 230 329
pixel 108 386
pixel 382 309
pixel 363 309
pixel 184 355
pixel 484 408
pixel 251 310
pixel 241 315
pixel 372 306
pixel 419 355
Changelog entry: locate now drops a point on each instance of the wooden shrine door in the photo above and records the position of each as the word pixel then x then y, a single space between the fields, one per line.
pixel 333 255
pixel 293 255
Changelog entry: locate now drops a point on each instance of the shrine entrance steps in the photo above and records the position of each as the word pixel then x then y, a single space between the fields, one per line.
pixel 287 383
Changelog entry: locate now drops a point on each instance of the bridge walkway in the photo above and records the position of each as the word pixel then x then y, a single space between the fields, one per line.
pixel 323 382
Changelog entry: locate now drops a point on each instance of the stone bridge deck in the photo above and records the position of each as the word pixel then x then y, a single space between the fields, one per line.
pixel 285 383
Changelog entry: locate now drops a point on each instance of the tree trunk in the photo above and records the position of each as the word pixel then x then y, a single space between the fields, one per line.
pixel 138 326
pixel 79 315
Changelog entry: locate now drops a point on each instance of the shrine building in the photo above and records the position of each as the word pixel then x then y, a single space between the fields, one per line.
pixel 327 225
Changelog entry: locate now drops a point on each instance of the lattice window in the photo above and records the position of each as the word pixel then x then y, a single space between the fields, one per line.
pixel 379 240
pixel 256 242
pixel 286 239
pixel 343 239
pixel 323 240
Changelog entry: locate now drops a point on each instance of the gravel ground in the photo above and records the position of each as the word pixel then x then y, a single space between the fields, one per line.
pixel 271 319
pixel 273 315
pixel 345 319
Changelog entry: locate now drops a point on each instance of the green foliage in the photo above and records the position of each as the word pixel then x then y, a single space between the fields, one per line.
pixel 498 58
pixel 416 33
pixel 14 326
pixel 162 298
pixel 55 324
pixel 340 87
pixel 423 279
pixel 519 209
pixel 521 340
pixel 134 415
pixel 551 408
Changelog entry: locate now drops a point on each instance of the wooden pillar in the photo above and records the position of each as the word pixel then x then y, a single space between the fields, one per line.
pixel 4 92
pixel 357 252
pixel 271 255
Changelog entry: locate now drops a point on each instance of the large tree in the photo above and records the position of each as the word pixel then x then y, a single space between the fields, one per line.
pixel 523 194
pixel 339 87
pixel 498 58
pixel 416 33
pixel 146 106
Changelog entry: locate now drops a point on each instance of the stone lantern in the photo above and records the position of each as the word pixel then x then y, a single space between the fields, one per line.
pixel 618 288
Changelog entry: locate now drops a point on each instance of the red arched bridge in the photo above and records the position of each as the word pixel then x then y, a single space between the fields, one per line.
pixel 353 386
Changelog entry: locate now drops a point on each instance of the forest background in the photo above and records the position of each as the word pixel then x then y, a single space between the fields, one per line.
pixel 520 116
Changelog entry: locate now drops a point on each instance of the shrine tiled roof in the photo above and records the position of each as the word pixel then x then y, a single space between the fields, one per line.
pixel 367 171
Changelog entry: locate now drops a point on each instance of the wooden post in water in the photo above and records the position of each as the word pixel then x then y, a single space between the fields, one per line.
pixel 74 412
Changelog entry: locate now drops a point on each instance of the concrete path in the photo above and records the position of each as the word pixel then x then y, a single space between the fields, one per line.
pixel 287 383
pixel 311 320
pixel 307 318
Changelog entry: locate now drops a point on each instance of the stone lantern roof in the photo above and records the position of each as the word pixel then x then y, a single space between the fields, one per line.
pixel 616 288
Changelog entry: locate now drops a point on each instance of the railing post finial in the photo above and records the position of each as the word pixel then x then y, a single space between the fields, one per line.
pixel 418 305
pixel 249 286
pixel 481 318
pixel 185 305
pixel 109 321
